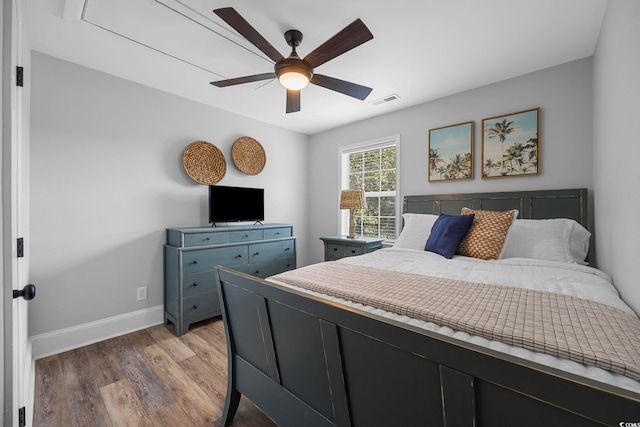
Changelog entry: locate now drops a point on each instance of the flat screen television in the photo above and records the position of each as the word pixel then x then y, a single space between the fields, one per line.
pixel 234 204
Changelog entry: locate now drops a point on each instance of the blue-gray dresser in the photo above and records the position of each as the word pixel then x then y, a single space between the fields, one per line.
pixel 191 255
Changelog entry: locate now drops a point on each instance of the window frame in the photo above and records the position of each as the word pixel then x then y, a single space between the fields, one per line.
pixel 343 178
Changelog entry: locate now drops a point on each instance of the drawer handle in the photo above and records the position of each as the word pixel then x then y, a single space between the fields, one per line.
pixel 239 256
pixel 195 261
pixel 256 254
pixel 206 238
pixel 195 285
pixel 257 272
pixel 335 249
pixel 353 251
pixel 245 236
pixel 287 249
pixel 195 306
pixel 277 233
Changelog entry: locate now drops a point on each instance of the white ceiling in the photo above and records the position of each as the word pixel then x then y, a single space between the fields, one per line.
pixel 422 49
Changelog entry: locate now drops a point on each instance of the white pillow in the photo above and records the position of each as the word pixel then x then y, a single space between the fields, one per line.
pixel 558 239
pixel 416 231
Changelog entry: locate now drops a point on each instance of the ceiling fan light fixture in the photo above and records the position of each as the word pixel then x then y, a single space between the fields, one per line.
pixel 293 77
pixel 293 80
pixel 293 72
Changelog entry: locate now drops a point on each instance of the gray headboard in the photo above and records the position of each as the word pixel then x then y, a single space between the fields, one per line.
pixel 542 204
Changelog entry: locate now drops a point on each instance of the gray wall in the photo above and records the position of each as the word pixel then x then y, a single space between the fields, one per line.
pixel 564 94
pixel 107 179
pixel 616 147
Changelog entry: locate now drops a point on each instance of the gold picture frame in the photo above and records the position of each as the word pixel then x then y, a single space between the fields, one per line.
pixel 451 152
pixel 511 145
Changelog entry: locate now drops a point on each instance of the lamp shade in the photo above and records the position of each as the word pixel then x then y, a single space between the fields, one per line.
pixel 352 199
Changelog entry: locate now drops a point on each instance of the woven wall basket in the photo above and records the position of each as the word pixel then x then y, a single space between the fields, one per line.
pixel 248 155
pixel 204 162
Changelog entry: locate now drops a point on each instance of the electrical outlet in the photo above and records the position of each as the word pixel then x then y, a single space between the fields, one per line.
pixel 142 293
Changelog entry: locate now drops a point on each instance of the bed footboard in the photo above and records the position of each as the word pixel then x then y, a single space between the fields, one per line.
pixel 305 361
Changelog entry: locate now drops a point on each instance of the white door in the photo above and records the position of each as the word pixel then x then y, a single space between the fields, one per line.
pixel 16 354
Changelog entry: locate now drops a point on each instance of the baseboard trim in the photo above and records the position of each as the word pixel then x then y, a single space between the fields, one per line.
pixel 50 343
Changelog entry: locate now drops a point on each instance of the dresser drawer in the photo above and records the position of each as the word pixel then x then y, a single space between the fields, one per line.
pixel 276 233
pixel 201 239
pixel 270 268
pixel 207 259
pixel 199 283
pixel 267 251
pixel 354 250
pixel 200 305
pixel 335 250
pixel 244 268
pixel 244 236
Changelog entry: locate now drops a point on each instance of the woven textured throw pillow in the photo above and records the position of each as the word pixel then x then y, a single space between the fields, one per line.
pixel 487 234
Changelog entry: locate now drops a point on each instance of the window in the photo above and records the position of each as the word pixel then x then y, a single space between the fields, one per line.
pixel 373 167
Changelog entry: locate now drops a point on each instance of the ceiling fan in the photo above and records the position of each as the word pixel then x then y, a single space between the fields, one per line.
pixel 295 73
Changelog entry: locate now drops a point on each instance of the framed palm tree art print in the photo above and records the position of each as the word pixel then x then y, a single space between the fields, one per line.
pixel 510 145
pixel 451 152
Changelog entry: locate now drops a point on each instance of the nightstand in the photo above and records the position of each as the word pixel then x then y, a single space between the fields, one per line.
pixel 336 247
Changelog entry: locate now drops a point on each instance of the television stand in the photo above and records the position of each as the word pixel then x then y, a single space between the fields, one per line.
pixel 191 255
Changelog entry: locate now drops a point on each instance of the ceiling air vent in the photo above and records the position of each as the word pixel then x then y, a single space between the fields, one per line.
pixel 384 100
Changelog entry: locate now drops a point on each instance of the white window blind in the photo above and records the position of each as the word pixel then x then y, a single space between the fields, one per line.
pixel 372 167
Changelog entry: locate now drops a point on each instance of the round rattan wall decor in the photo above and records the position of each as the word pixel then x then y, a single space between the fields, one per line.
pixel 248 155
pixel 204 162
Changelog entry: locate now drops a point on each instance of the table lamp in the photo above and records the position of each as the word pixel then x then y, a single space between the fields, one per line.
pixel 352 200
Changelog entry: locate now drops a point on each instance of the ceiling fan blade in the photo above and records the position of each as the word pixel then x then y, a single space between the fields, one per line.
pixel 238 23
pixel 347 88
pixel 246 79
pixel 353 35
pixel 293 101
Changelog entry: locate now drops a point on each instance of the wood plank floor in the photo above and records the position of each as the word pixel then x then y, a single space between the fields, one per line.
pixel 146 378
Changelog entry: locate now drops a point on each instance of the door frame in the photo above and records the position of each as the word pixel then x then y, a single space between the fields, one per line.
pixel 17 375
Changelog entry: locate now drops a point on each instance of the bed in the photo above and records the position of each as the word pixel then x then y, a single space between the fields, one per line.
pixel 308 358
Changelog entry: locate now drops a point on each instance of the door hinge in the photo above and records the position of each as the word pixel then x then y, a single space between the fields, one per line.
pixel 20 248
pixel 19 76
pixel 22 418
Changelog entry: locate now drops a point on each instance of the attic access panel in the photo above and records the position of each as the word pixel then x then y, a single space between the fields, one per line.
pixel 179 32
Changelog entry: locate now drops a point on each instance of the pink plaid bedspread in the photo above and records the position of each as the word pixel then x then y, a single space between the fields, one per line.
pixel 560 325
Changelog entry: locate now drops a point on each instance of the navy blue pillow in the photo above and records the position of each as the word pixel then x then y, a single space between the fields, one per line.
pixel 447 233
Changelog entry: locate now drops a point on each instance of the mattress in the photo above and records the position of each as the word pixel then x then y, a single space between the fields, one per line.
pixel 564 278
